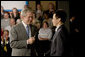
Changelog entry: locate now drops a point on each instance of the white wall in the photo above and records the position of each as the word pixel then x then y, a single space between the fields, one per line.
pixel 9 5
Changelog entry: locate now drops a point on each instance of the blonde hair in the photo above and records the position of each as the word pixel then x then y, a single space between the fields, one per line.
pixel 25 11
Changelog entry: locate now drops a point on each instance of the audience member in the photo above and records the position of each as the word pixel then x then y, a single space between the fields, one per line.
pixel 49 20
pixel 39 13
pixel 74 35
pixel 34 18
pixel 18 21
pixel 5 44
pixel 15 14
pixel 44 37
pixel 12 23
pixel 51 10
pixel 1 31
pixel 2 12
pixel 6 21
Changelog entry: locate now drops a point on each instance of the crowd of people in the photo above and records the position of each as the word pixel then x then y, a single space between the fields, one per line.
pixel 44 32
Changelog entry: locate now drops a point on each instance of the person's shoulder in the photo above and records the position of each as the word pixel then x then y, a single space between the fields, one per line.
pixel 33 26
pixel 49 28
pixel 7 27
pixel 17 25
pixel 2 20
pixel 41 29
pixel 63 29
pixel 9 18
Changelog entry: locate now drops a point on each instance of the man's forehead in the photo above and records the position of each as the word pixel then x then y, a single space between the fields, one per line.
pixel 29 13
pixel 5 14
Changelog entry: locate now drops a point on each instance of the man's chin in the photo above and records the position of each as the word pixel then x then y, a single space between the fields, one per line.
pixel 54 25
pixel 29 22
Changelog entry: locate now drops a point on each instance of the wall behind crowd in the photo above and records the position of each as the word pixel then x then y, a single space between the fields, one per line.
pixel 58 5
pixel 9 5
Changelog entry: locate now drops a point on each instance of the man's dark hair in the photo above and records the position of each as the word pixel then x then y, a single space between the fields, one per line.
pixel 61 14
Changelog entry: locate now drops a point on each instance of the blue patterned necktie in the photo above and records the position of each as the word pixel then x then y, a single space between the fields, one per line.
pixel 27 30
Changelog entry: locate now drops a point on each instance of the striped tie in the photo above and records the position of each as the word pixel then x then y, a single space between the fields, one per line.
pixel 27 30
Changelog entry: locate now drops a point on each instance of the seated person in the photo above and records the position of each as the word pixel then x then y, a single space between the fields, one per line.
pixel 15 14
pixel 12 23
pixel 44 37
pixel 5 21
pixel 49 20
pixel 2 12
pixel 51 10
pixel 5 43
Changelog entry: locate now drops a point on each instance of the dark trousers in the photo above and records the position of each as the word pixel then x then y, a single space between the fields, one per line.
pixel 43 47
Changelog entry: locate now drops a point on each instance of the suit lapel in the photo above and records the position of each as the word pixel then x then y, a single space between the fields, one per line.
pixel 53 47
pixel 23 30
pixel 56 33
pixel 53 42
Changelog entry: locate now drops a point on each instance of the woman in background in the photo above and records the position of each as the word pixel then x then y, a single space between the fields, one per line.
pixel 39 13
pixel 15 14
pixel 2 12
pixel 44 37
pixel 51 10
pixel 5 44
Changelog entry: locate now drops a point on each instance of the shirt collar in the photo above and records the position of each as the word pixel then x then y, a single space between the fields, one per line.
pixel 25 25
pixel 57 27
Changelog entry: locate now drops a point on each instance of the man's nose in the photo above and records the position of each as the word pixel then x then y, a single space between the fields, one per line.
pixel 31 18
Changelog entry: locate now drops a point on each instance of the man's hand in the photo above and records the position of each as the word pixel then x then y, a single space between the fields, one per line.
pixel 76 30
pixel 31 40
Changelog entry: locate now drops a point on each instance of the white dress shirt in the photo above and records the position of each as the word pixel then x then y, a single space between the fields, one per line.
pixel 25 25
pixel 57 27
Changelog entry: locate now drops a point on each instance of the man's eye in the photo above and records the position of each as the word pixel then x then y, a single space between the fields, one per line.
pixel 31 17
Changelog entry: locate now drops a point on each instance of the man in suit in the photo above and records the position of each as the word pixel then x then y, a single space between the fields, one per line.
pixel 23 35
pixel 59 40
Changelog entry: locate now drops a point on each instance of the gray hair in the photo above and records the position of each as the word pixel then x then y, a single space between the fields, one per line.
pixel 25 11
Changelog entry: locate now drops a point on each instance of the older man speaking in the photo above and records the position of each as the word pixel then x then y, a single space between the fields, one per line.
pixel 23 35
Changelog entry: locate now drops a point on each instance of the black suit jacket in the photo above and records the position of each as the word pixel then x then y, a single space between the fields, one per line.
pixel 59 41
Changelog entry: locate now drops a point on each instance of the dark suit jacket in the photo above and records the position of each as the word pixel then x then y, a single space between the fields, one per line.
pixel 59 41
pixel 18 40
